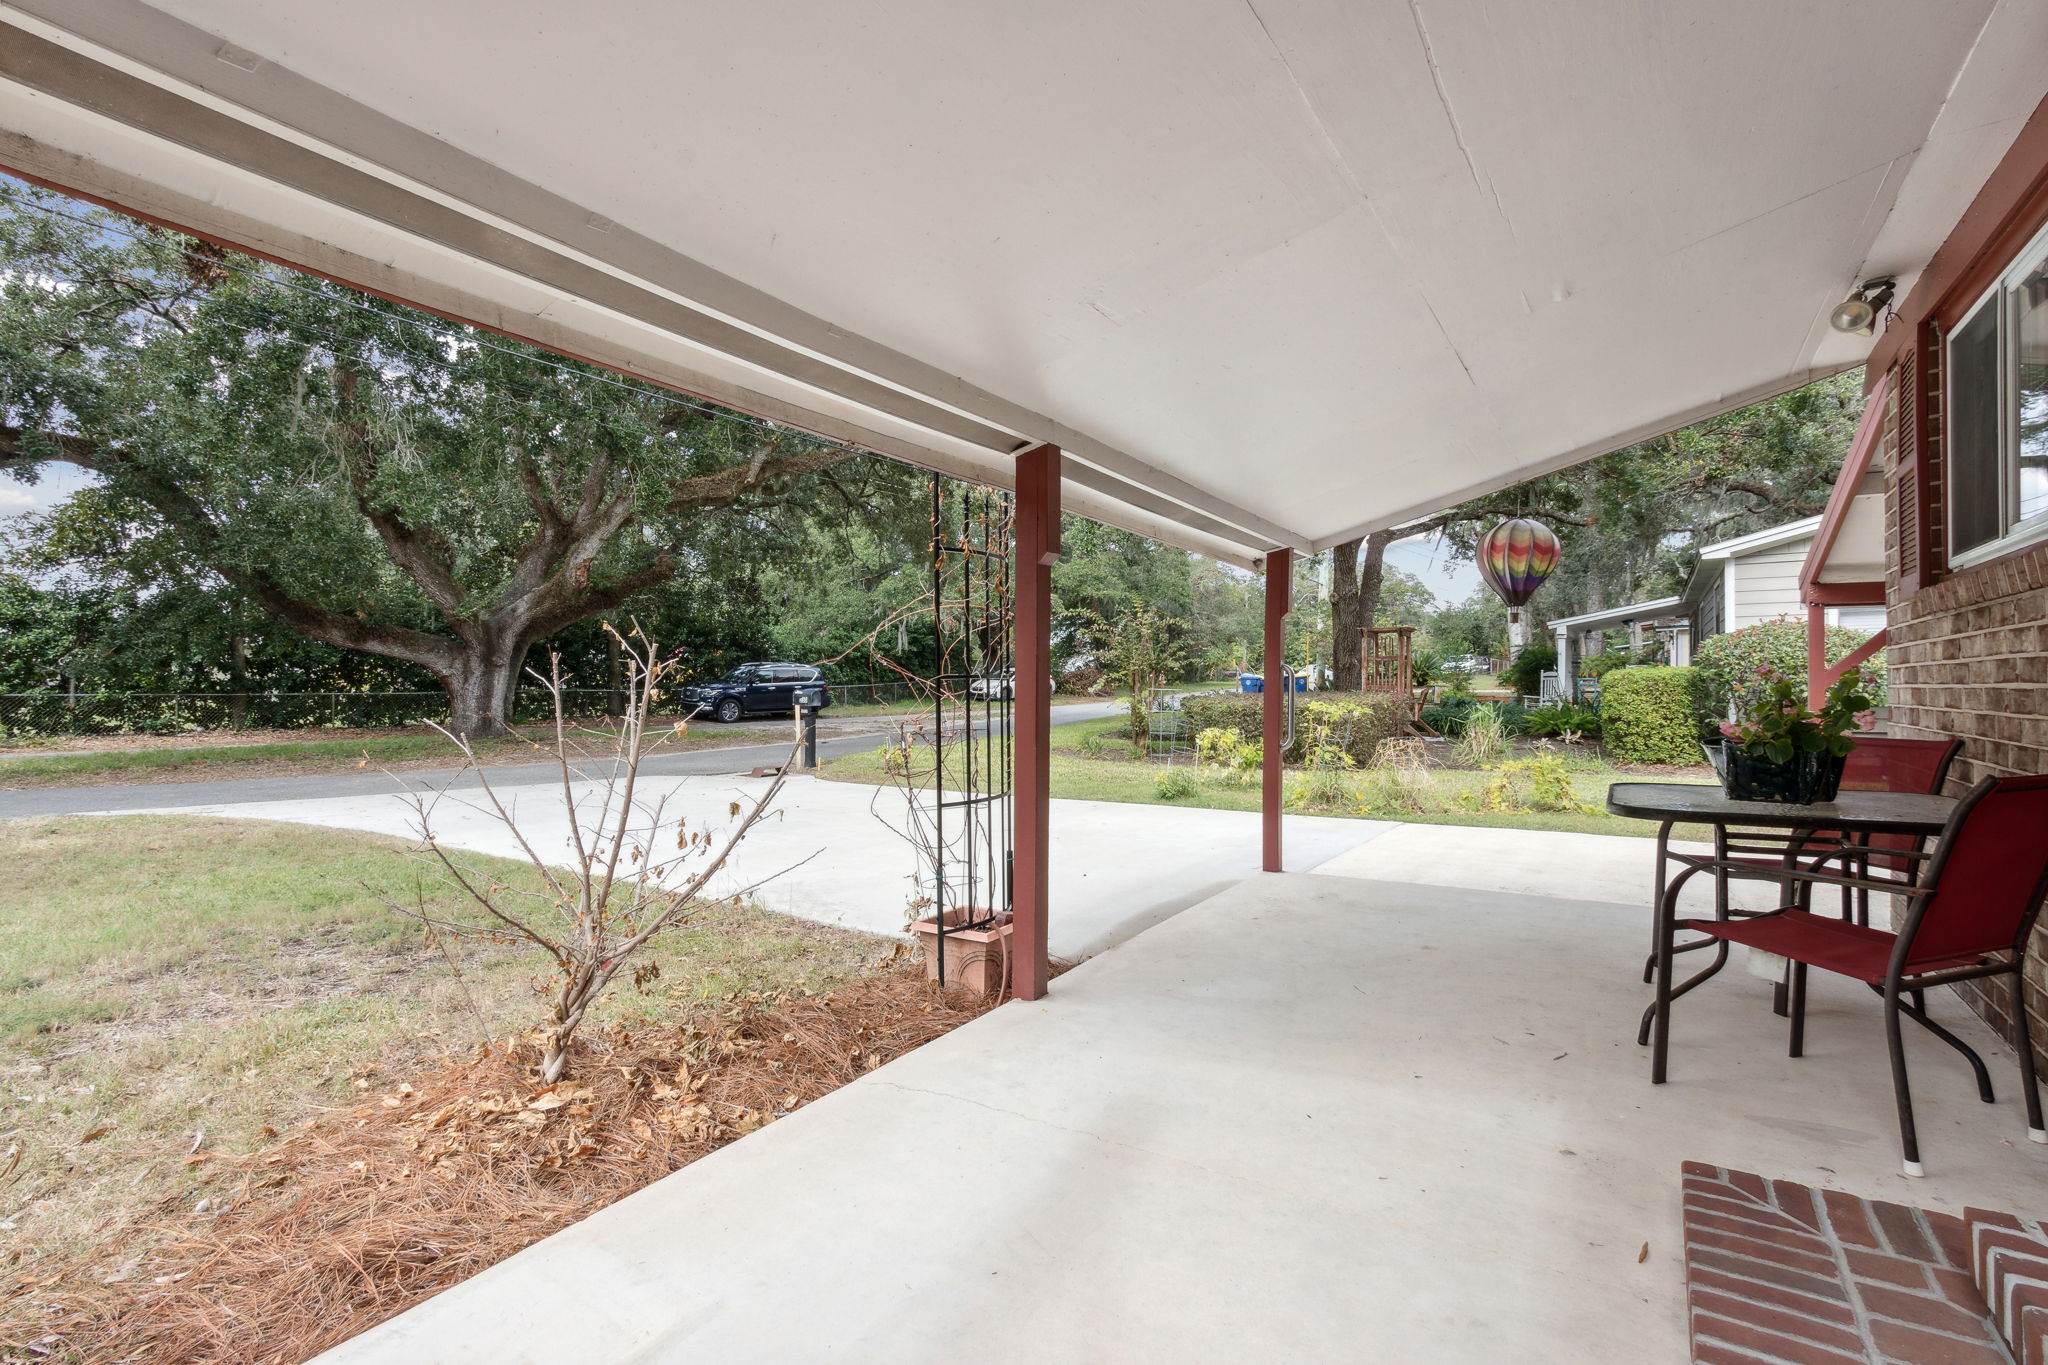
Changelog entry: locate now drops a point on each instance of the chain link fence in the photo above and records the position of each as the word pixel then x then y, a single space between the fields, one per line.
pixel 881 694
pixel 50 715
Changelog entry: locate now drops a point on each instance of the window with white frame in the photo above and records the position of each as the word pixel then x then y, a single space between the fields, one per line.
pixel 1998 414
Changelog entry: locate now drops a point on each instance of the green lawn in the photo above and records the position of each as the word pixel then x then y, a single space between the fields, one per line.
pixel 169 984
pixel 1092 762
pixel 204 761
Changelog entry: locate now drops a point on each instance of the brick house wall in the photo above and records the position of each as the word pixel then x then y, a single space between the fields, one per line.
pixel 1968 647
pixel 1968 659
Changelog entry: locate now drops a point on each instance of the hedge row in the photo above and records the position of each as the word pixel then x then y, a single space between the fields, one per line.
pixel 1653 714
pixel 1358 721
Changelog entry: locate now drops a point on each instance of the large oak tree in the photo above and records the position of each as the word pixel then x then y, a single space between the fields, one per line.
pixel 373 477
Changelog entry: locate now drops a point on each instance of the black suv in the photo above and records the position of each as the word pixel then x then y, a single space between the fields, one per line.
pixel 754 690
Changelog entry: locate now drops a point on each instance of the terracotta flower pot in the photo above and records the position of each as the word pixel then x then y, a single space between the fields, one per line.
pixel 976 960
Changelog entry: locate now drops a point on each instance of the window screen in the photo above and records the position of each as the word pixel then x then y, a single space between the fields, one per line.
pixel 1977 508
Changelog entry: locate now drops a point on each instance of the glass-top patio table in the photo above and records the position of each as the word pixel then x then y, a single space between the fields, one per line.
pixel 1764 831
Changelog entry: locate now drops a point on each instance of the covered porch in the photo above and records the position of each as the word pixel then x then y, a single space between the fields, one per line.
pixel 1318 1116
pixel 1254 280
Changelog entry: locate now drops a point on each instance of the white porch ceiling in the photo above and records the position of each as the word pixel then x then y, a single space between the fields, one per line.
pixel 1271 271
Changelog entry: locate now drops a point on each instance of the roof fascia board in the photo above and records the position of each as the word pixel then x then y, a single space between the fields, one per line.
pixel 73 173
pixel 1632 610
pixel 70 76
pixel 735 317
pixel 1847 482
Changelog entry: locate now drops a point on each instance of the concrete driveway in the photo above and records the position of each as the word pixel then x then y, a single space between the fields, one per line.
pixel 835 853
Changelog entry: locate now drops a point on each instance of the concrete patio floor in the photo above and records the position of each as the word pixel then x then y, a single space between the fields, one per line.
pixel 1314 1117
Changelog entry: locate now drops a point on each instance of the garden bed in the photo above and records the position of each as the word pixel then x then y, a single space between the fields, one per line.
pixel 227 1065
pixel 1095 761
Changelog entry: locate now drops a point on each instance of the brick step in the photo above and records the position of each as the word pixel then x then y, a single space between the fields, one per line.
pixel 2009 1261
pixel 1779 1273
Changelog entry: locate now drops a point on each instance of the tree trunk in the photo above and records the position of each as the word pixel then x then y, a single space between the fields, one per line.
pixel 1355 580
pixel 615 677
pixel 481 690
pixel 238 662
pixel 1372 571
pixel 1345 623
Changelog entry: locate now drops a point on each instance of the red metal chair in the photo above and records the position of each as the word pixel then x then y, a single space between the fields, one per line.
pixel 1970 916
pixel 1883 764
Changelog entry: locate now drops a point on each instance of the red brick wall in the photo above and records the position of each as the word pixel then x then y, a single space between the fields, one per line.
pixel 1968 658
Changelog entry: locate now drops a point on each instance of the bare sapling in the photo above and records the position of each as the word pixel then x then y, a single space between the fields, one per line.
pixel 630 871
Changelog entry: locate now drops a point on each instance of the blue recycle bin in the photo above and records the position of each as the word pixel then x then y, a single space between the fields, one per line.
pixel 1256 682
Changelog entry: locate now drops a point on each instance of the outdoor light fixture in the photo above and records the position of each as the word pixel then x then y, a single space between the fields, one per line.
pixel 1858 313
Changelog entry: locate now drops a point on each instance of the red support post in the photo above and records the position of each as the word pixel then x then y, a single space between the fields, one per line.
pixel 1817 680
pixel 1038 549
pixel 1822 675
pixel 1279 592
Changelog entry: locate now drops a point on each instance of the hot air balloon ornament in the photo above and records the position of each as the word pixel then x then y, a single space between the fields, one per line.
pixel 1515 558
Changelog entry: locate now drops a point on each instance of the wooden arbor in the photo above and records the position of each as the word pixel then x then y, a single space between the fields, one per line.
pixel 1386 663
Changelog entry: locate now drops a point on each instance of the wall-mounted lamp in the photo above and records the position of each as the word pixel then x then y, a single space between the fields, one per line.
pixel 1858 313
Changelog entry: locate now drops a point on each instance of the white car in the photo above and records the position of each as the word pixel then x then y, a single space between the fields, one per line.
pixel 999 686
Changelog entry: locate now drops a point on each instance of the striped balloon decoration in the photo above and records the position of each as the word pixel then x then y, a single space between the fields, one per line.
pixel 1516 556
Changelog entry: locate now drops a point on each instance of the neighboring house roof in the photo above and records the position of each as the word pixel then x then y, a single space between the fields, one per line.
pixel 1760 540
pixel 1715 557
pixel 1620 616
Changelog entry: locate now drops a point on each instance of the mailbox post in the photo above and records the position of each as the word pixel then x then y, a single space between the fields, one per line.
pixel 809 700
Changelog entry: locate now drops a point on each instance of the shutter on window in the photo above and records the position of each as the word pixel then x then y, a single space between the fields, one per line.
pixel 1905 415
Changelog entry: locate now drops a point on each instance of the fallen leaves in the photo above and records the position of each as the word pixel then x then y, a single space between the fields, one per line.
pixel 362 1213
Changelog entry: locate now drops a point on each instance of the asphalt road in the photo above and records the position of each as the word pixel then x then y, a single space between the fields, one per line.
pixel 19 805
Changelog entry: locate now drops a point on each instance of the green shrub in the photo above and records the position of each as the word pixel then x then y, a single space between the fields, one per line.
pixel 1532 661
pixel 1652 714
pixel 1529 784
pixel 1237 712
pixel 1449 714
pixel 1561 719
pixel 1322 784
pixel 1605 662
pixel 1396 791
pixel 1729 663
pixel 1446 715
pixel 1356 721
pixel 1230 756
pixel 1174 785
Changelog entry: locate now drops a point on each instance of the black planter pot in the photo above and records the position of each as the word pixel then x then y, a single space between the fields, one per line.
pixel 1805 778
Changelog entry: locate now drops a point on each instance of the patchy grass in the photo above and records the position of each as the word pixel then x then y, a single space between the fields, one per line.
pixel 178 986
pixel 1095 761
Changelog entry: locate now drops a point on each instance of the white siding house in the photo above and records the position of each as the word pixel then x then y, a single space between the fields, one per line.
pixel 1749 579
pixel 1737 583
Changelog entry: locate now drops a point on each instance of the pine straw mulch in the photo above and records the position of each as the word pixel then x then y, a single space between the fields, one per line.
pixel 447 1170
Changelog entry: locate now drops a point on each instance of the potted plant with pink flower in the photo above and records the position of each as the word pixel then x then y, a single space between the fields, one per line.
pixel 1781 750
